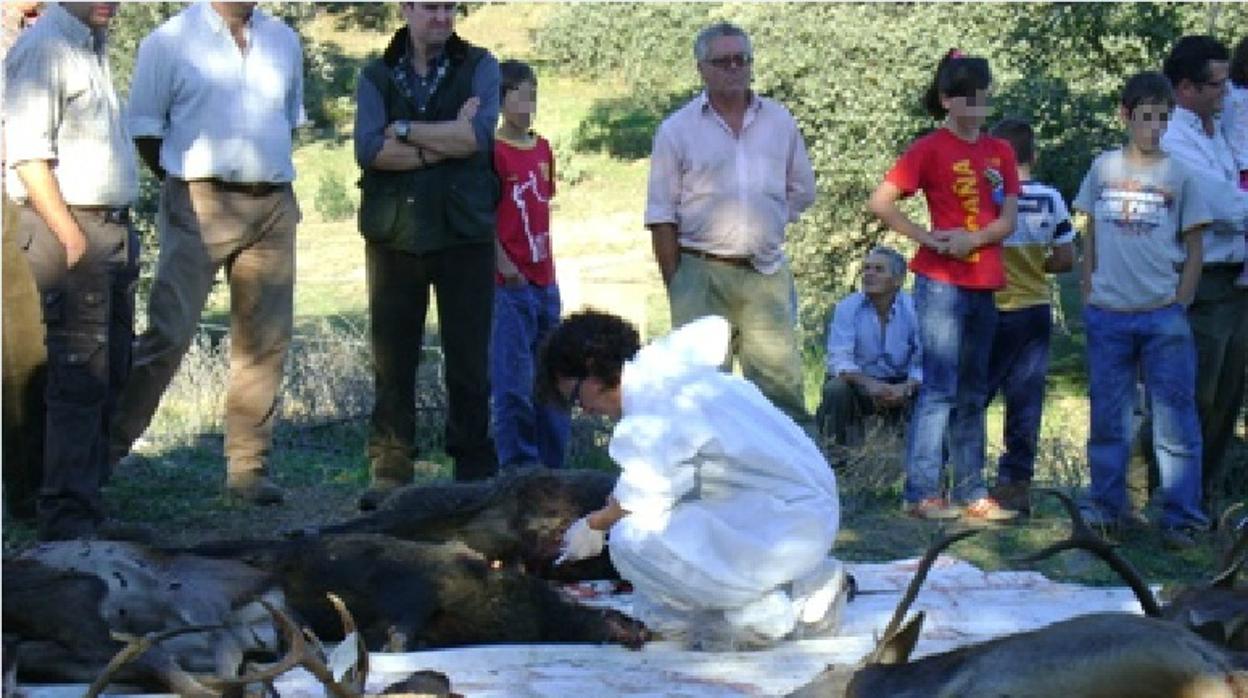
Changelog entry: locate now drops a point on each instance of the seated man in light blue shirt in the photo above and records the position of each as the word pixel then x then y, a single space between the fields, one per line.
pixel 873 357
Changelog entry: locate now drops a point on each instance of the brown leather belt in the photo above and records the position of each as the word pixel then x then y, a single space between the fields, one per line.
pixel 734 261
pixel 117 215
pixel 248 188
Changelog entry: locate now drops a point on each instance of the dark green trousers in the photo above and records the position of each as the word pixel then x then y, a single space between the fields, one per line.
pixel 1219 319
pixel 398 299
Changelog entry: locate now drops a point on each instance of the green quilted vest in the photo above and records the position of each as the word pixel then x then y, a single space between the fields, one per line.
pixel 432 208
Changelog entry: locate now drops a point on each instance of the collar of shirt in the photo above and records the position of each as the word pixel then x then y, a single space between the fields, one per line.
pixel 751 109
pixel 1189 142
pixel 217 24
pixel 867 304
pixel 433 62
pixel 71 28
pixel 419 89
pixel 1187 119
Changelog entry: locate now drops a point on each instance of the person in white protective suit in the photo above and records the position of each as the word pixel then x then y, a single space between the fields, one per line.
pixel 725 510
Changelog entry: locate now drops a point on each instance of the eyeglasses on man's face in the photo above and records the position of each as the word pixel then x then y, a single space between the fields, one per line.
pixel 732 60
pixel 573 398
pixel 1213 84
pixel 432 7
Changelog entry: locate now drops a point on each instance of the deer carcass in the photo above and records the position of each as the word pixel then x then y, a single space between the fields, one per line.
pixel 63 603
pixel 1102 655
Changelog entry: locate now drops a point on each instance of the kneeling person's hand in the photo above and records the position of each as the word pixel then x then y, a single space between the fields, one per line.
pixel 580 542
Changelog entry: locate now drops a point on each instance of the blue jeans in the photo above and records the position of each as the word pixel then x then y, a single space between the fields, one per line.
pixel 955 326
pixel 525 431
pixel 1157 343
pixel 1017 368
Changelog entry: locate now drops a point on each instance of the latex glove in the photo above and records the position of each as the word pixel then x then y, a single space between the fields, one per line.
pixel 580 541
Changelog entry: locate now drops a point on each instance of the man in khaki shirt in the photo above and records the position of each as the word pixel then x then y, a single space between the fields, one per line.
pixel 728 172
pixel 71 166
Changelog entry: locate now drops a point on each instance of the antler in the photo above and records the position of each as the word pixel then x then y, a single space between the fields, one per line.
pixel 1083 538
pixel 297 654
pixel 359 674
pixel 135 648
pixel 912 591
pixel 1237 554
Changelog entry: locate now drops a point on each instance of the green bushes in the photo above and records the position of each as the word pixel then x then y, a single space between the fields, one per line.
pixel 852 74
pixel 332 200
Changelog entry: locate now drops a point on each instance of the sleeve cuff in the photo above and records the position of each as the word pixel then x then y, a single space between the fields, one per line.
pixel 841 366
pixel 655 216
pixel 26 151
pixel 146 127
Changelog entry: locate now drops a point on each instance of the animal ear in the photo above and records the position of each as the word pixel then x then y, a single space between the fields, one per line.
pixel 1214 631
pixel 897 649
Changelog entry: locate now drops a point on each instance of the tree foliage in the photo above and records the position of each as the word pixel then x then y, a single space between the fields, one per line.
pixel 853 75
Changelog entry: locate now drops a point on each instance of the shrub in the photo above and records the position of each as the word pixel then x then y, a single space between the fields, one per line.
pixel 332 200
pixel 852 75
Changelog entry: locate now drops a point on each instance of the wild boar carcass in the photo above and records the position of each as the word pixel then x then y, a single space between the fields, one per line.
pixel 518 517
pixel 409 595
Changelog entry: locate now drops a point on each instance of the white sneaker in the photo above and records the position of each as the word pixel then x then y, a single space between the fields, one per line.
pixel 819 598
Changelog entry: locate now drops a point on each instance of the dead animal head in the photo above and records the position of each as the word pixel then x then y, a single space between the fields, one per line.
pixel 299 653
pixel 1107 655
pixel 1216 610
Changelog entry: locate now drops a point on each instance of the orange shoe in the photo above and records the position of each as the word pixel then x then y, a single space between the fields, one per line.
pixel 932 509
pixel 987 510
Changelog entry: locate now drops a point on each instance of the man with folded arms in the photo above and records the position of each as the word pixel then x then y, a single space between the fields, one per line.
pixel 216 94
pixel 71 168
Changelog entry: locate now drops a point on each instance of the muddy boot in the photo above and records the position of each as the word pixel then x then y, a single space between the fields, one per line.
pixel 253 486
pixel 1015 496
pixel 389 473
pixel 378 492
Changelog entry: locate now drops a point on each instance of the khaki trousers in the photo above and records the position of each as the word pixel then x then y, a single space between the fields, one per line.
pixel 760 309
pixel 204 227
pixel 24 370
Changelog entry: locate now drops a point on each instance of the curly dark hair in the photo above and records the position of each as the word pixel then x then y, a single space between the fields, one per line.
pixel 588 343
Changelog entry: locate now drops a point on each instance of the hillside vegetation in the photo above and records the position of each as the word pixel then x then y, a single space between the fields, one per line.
pixel 852 74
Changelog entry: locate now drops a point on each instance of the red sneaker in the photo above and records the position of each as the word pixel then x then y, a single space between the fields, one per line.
pixel 987 510
pixel 932 509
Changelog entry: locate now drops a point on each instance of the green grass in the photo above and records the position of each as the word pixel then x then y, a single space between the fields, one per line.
pixel 604 259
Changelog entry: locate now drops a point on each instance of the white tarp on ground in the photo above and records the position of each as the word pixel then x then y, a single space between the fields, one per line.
pixel 963 605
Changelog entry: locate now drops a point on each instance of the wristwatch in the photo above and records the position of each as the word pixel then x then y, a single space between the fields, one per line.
pixel 401 129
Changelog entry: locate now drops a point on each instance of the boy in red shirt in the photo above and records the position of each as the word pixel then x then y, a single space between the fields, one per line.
pixel 526 298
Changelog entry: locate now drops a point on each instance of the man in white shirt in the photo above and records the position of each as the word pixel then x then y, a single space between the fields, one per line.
pixel 216 93
pixel 1198 68
pixel 874 358
pixel 728 172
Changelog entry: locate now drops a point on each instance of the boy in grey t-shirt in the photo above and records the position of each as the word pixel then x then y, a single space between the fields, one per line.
pixel 1140 267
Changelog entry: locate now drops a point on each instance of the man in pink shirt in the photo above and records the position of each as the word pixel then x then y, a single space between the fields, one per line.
pixel 728 172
